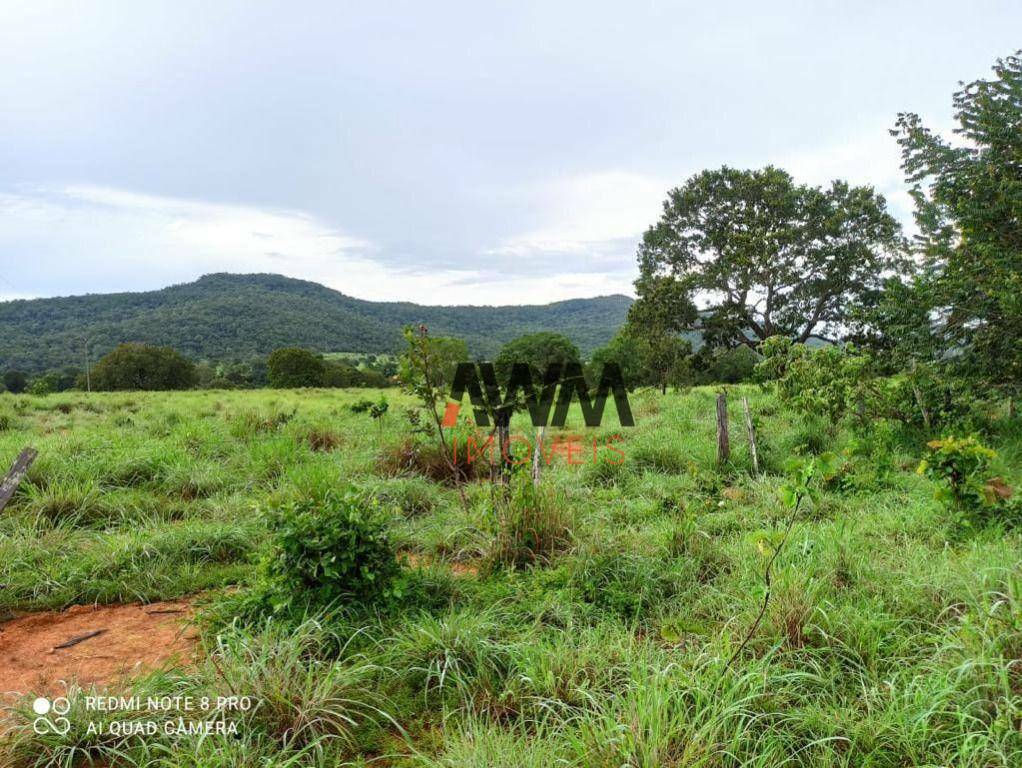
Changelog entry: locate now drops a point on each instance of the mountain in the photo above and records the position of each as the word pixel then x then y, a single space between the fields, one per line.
pixel 237 317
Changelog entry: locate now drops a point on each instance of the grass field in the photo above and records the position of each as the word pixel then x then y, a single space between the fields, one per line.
pixel 893 638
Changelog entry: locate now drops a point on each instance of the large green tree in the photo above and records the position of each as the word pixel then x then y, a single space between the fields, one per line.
pixel 969 210
pixel 145 367
pixel 539 351
pixel 767 256
pixel 293 367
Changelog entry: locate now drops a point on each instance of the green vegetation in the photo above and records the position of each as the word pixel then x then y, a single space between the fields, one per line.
pixel 15 381
pixel 968 207
pixel 291 367
pixel 847 595
pixel 537 350
pixel 783 258
pixel 225 318
pixel 330 548
pixel 589 620
pixel 142 367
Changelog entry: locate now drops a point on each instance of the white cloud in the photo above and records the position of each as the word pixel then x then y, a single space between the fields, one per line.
pixel 588 215
pixel 86 238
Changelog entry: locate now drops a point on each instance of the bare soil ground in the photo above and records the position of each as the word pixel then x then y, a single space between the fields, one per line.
pixel 131 639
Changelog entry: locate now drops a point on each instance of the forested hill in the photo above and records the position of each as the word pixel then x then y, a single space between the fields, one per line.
pixel 226 317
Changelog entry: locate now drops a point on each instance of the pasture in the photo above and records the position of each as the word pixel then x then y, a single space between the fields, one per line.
pixel 893 637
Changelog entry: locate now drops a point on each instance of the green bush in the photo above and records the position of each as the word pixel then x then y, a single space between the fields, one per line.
pixel 330 549
pixel 961 466
pixel 835 381
pixel 292 367
pixel 143 367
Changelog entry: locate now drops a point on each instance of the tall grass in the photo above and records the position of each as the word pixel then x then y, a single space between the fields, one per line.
pixel 583 624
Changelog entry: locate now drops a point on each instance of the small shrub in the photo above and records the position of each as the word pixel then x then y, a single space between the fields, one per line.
pixel 962 468
pixel 329 549
pixel 869 460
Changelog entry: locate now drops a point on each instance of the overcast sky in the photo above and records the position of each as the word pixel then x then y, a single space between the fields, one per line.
pixel 435 152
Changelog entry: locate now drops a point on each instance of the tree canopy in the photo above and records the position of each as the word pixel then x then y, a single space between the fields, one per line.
pixel 539 350
pixel 292 367
pixel 767 255
pixel 969 211
pixel 663 310
pixel 140 366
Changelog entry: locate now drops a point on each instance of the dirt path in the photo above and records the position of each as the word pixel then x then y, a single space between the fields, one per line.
pixel 103 645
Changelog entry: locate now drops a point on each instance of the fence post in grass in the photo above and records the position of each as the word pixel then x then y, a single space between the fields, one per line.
pixel 537 454
pixel 502 420
pixel 723 445
pixel 752 435
pixel 13 478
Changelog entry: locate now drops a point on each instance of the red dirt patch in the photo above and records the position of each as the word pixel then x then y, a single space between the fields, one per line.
pixel 134 639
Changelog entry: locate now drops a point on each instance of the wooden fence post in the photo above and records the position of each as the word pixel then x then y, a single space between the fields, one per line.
pixel 723 445
pixel 537 455
pixel 10 482
pixel 502 419
pixel 752 435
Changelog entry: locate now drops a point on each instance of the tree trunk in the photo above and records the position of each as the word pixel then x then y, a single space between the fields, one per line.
pixel 723 444
pixel 919 399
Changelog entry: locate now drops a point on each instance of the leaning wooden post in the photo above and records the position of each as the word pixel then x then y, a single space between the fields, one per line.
pixel 13 478
pixel 752 435
pixel 723 445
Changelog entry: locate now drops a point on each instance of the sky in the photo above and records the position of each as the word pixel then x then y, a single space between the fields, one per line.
pixel 441 153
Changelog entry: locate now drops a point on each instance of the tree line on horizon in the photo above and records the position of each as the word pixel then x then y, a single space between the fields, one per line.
pixel 244 317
